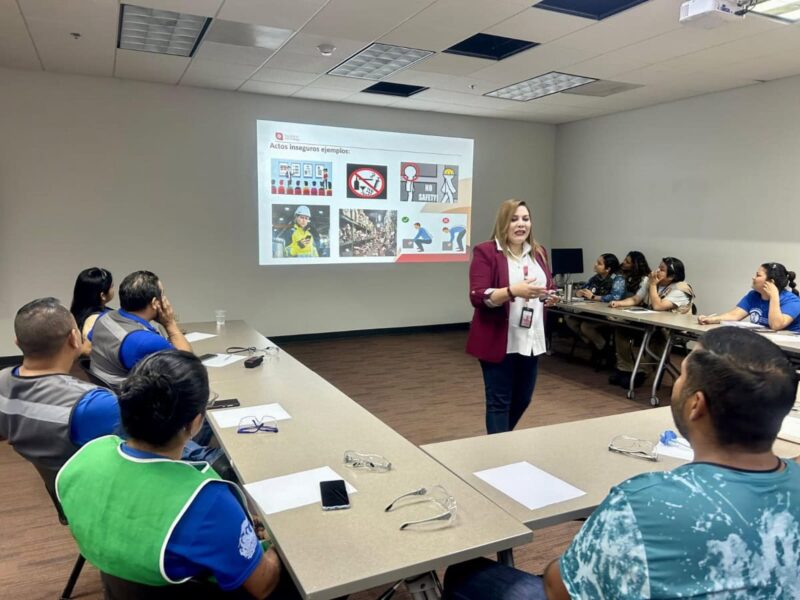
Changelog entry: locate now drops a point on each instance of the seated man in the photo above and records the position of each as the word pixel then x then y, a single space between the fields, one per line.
pixel 45 413
pixel 164 521
pixel 723 526
pixel 121 338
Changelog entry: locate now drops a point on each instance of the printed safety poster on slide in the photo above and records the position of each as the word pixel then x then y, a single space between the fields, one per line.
pixel 330 195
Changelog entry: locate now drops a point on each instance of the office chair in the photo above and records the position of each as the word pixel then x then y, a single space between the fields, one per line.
pixel 49 478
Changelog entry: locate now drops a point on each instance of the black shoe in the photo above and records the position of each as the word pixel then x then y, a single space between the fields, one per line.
pixel 618 376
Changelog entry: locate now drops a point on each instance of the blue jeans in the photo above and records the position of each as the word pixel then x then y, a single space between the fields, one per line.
pixel 483 579
pixel 509 387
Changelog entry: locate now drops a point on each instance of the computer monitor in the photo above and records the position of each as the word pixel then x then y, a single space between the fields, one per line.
pixel 567 260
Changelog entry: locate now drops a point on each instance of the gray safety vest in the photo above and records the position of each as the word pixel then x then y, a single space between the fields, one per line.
pixel 110 330
pixel 35 415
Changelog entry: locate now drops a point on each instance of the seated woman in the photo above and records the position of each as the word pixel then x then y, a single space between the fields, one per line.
pixel 189 524
pixel 94 288
pixel 635 271
pixel 769 303
pixel 606 285
pixel 665 290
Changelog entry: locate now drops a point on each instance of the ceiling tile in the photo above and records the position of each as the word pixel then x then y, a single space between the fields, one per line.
pixel 274 89
pixel 537 61
pixel 340 83
pixel 230 53
pixel 306 44
pixel 540 25
pixel 443 82
pixel 275 13
pixel 292 61
pixel 148 66
pixel 209 81
pixel 451 64
pixel 16 46
pixel 247 34
pixel 91 54
pixel 203 8
pixel 283 76
pixel 606 66
pixel 371 99
pixel 211 68
pixel 322 94
pixel 364 20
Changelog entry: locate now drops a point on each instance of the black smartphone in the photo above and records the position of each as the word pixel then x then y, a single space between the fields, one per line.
pixel 206 356
pixel 334 495
pixel 227 403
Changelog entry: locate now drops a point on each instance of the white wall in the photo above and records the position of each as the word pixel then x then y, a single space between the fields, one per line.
pixel 131 175
pixel 713 180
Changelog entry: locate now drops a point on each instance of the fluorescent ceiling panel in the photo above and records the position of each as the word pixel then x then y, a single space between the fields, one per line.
pixel 378 61
pixel 787 10
pixel 160 31
pixel 537 87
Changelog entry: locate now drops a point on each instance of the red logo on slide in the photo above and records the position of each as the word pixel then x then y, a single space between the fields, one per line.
pixel 278 136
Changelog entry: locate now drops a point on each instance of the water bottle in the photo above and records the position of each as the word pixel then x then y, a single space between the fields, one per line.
pixel 568 292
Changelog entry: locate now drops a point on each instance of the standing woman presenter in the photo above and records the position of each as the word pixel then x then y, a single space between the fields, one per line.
pixel 507 277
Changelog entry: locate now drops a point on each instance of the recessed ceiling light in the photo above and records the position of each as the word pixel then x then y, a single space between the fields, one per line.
pixel 326 49
pixel 377 61
pixel 160 31
pixel 788 10
pixel 543 85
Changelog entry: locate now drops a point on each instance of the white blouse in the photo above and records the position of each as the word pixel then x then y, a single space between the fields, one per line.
pixel 528 341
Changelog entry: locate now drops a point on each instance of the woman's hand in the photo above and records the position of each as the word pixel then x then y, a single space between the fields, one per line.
pixel 584 293
pixel 771 290
pixel 615 304
pixel 654 277
pixel 706 320
pixel 552 300
pixel 528 289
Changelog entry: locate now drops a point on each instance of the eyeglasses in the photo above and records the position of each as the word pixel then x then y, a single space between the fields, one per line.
pixel 212 395
pixel 635 447
pixel 266 424
pixel 367 462
pixel 266 351
pixel 436 494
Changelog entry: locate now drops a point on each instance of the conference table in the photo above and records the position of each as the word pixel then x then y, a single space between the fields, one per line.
pixel 334 553
pixel 575 452
pixel 673 326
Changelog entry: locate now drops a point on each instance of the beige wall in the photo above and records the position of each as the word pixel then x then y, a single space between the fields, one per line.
pixel 713 180
pixel 131 175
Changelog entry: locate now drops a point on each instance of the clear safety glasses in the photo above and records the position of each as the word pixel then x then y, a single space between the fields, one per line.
pixel 264 424
pixel 635 447
pixel 436 495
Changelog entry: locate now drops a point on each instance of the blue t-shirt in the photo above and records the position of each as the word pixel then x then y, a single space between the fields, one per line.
pixel 758 308
pixel 142 343
pixel 214 536
pixel 96 414
pixel 699 531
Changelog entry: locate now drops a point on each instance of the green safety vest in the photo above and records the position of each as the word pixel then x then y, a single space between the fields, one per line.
pixel 122 510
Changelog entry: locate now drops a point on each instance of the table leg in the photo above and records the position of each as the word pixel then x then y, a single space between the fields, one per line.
pixel 506 557
pixel 424 587
pixel 645 340
pixel 661 361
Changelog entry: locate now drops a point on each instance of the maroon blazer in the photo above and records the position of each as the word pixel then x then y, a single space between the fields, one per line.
pixel 488 332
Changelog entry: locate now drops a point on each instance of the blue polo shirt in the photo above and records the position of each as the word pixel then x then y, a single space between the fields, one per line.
pixel 96 414
pixel 758 308
pixel 214 536
pixel 139 344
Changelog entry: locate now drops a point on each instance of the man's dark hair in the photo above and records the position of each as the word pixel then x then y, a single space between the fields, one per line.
pixel 42 326
pixel 163 393
pixel 137 290
pixel 749 385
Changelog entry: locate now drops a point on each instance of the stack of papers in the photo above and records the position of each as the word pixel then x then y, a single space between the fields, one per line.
pixel 528 485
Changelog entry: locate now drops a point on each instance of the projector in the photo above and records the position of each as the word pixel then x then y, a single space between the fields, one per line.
pixel 709 14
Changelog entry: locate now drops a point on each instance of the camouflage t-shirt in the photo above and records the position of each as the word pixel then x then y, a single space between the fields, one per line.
pixel 699 531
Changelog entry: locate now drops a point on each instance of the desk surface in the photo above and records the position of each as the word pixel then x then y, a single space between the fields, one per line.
pixel 575 452
pixel 331 554
pixel 787 341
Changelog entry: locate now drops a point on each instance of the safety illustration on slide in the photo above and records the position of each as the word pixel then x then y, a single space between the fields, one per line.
pixel 335 195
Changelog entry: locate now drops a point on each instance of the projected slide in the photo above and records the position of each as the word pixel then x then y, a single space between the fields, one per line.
pixel 331 195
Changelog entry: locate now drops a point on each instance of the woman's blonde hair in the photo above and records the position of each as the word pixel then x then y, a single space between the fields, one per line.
pixel 500 233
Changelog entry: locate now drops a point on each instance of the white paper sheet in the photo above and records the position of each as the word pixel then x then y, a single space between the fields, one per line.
pixel 196 336
pixel 223 360
pixel 291 491
pixel 528 485
pixel 742 324
pixel 676 450
pixel 639 309
pixel 230 417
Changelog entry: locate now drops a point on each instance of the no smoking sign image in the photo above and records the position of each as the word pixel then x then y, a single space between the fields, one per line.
pixel 366 181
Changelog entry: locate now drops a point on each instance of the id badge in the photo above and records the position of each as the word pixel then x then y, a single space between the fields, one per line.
pixel 526 318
